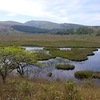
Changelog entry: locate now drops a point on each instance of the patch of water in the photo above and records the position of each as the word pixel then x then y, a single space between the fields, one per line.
pixel 92 64
pixel 32 48
pixel 65 48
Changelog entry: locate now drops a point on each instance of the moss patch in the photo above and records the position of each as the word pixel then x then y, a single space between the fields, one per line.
pixel 75 54
pixel 43 56
pixel 87 74
pixel 65 67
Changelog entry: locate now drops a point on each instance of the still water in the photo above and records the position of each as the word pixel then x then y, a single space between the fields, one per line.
pixel 92 64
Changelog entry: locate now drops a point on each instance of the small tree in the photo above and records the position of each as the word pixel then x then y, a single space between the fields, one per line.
pixel 22 59
pixel 6 64
pixel 12 58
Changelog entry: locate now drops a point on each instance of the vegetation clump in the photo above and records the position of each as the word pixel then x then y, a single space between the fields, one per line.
pixel 18 88
pixel 22 89
pixel 96 75
pixel 48 40
pixel 43 56
pixel 14 57
pixel 78 31
pixel 71 92
pixel 83 74
pixel 75 54
pixel 65 66
pixel 51 48
pixel 87 74
pixel 49 74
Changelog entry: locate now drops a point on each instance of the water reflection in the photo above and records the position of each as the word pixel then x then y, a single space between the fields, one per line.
pixel 65 48
pixel 93 64
pixel 32 48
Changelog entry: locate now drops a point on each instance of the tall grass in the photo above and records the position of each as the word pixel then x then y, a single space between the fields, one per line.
pixel 87 74
pixel 49 40
pixel 39 89
pixel 75 54
pixel 65 66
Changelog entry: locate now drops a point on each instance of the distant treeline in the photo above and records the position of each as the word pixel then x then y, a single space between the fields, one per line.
pixel 29 29
pixel 78 31
pixel 73 31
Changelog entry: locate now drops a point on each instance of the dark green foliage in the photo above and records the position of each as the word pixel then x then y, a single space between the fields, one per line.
pixel 96 75
pixel 14 57
pixel 65 32
pixel 87 74
pixel 49 74
pixel 29 29
pixel 98 33
pixel 65 66
pixel 84 30
pixel 83 74
pixel 75 54
pixel 78 31
pixel 43 56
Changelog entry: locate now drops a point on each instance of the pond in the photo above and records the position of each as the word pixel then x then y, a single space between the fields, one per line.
pixel 32 48
pixel 36 49
pixel 92 64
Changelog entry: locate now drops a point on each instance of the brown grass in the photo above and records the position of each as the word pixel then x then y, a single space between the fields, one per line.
pixel 39 89
pixel 50 40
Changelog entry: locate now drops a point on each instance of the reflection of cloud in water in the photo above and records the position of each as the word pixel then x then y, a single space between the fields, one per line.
pixel 65 48
pixel 32 48
pixel 93 64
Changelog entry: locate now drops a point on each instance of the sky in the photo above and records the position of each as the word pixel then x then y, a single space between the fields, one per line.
pixel 86 12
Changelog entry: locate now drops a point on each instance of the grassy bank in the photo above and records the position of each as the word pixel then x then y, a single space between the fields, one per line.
pixel 87 74
pixel 38 89
pixel 65 66
pixel 50 40
pixel 75 54
pixel 43 56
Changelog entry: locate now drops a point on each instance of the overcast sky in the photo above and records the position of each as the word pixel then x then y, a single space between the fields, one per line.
pixel 86 12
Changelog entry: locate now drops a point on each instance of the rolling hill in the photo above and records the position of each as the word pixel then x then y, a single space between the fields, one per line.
pixel 51 25
pixel 46 27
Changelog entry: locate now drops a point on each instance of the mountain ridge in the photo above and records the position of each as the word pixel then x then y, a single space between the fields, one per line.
pixel 35 26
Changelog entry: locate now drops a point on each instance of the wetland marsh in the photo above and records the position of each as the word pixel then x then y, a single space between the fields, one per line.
pixel 92 63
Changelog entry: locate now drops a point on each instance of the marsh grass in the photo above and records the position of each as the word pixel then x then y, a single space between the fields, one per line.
pixel 49 40
pixel 65 66
pixel 43 56
pixel 18 88
pixel 87 75
pixel 75 54
pixel 83 74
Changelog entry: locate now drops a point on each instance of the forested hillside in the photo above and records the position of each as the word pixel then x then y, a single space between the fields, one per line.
pixel 47 27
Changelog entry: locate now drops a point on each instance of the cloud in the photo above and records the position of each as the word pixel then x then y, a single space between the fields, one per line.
pixel 75 11
pixel 24 7
pixel 11 14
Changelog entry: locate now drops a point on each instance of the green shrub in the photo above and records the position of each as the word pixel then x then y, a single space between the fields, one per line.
pixel 70 90
pixel 87 74
pixel 65 66
pixel 43 56
pixel 51 48
pixel 83 74
pixel 96 75
pixel 75 54
pixel 49 74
